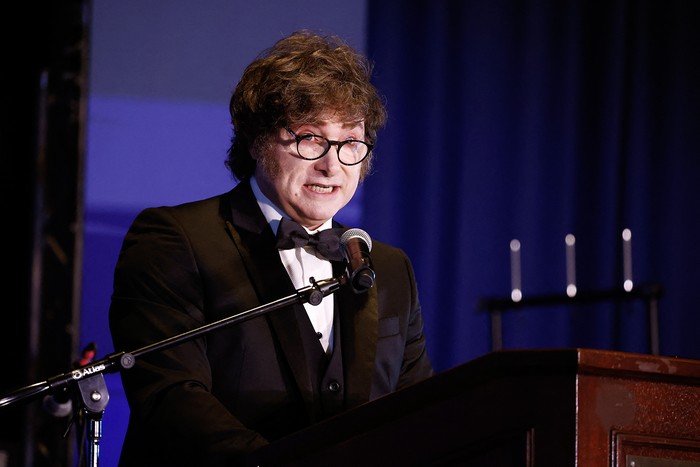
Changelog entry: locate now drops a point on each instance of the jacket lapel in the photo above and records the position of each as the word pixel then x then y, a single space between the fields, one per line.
pixel 255 243
pixel 358 327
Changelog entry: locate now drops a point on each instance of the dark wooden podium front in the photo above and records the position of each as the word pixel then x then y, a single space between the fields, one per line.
pixel 568 407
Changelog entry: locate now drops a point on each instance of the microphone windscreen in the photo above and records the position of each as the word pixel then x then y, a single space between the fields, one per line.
pixel 355 233
pixel 57 408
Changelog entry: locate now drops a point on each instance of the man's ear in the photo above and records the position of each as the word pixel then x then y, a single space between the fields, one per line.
pixel 257 148
pixel 255 152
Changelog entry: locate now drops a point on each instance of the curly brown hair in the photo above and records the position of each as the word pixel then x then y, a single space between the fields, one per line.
pixel 300 79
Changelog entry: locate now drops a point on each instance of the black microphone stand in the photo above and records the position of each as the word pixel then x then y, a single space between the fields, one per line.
pixel 87 386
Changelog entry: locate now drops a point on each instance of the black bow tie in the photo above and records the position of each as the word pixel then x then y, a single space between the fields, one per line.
pixel 326 242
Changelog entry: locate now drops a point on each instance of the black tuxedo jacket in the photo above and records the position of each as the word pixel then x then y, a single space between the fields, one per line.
pixel 211 400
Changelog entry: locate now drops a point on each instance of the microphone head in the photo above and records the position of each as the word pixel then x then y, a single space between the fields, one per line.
pixel 355 233
pixel 355 244
pixel 57 407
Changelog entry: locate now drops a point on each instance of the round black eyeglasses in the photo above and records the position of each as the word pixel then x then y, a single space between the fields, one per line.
pixel 312 147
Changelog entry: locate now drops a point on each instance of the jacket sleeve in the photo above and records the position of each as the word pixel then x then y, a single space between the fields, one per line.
pixel 402 356
pixel 175 420
pixel 416 365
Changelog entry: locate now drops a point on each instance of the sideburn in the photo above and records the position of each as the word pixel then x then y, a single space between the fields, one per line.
pixel 265 158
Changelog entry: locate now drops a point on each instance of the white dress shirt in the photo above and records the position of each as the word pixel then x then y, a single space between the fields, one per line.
pixel 303 264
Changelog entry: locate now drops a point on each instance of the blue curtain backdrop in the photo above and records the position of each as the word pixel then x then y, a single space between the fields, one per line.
pixel 532 120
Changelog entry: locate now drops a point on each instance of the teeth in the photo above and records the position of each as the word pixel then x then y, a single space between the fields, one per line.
pixel 320 188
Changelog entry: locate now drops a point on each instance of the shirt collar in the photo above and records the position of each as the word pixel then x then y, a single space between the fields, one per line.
pixel 272 213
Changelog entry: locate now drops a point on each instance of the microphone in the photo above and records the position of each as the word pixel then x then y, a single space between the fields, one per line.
pixel 355 244
pixel 59 405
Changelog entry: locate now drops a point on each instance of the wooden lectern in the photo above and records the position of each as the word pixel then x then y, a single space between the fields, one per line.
pixel 543 408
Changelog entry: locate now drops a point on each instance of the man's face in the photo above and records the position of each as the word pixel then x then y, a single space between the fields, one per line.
pixel 310 192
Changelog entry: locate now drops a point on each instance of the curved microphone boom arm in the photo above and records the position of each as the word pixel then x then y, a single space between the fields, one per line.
pixel 86 384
